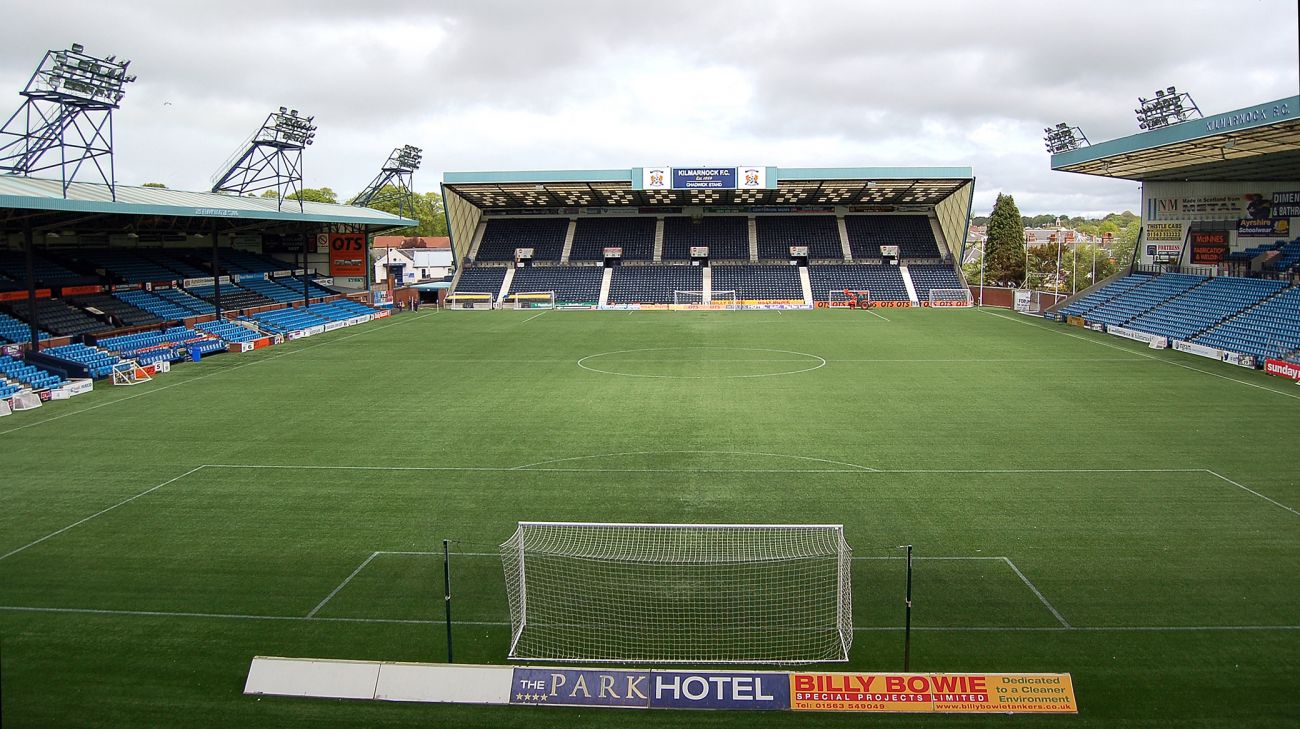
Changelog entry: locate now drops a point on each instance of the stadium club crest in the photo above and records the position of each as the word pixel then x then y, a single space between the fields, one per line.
pixel 752 178
pixel 656 178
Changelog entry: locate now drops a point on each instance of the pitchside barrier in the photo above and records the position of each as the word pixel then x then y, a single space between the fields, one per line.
pixel 613 688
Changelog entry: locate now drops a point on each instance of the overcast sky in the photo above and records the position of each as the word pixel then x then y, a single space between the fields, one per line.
pixel 490 85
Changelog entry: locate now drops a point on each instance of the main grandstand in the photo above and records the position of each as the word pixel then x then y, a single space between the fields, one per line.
pixel 759 236
pixel 1218 260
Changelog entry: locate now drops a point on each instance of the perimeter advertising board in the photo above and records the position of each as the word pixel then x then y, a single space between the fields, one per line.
pixel 1209 247
pixel 943 693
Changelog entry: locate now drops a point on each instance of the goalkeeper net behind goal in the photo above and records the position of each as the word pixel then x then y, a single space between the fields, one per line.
pixel 678 593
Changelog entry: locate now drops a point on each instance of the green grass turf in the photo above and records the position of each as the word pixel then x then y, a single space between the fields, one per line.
pixel 955 408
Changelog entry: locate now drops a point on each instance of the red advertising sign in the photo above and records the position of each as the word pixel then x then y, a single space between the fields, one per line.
pixel 1209 247
pixel 1282 368
pixel 347 254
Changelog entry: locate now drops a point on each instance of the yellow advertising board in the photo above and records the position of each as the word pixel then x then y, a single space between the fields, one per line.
pixel 944 693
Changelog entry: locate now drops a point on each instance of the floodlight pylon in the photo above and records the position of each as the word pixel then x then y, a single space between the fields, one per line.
pixel 66 118
pixel 270 159
pixel 394 181
pixel 1167 107
pixel 1063 138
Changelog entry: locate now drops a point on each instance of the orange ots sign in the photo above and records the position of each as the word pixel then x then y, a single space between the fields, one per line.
pixel 943 693
pixel 347 254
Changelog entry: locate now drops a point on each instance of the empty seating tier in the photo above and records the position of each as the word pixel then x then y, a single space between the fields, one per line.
pixel 636 236
pixel 759 283
pixel 726 237
pixel 123 312
pixel 19 373
pixel 571 284
pixel 485 280
pixel 1141 299
pixel 98 362
pixel 232 297
pixel 61 318
pixel 13 264
pixel 776 233
pixel 1204 306
pixel 1095 298
pixel 911 233
pixel 545 236
pixel 926 276
pixel 885 283
pixel 1268 329
pixel 652 284
pixel 13 331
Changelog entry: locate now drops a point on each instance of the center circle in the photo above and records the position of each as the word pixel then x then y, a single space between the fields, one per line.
pixel 701 363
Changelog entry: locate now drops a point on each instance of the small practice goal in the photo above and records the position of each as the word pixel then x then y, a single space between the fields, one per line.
pixel 960 298
pixel 129 373
pixel 26 401
pixel 534 299
pixel 468 301
pixel 848 299
pixel 678 593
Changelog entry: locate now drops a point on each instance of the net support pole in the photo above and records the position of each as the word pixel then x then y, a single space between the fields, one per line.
pixel 907 619
pixel 446 593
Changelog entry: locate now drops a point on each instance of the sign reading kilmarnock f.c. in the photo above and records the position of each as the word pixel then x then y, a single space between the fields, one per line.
pixel 743 177
pixel 622 688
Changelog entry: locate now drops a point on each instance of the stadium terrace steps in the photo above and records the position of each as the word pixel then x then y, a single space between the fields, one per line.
pixel 652 284
pixel 776 233
pixel 884 282
pixel 502 236
pixel 911 233
pixel 1103 295
pixel 1201 308
pixel 1141 299
pixel 726 237
pixel 571 284
pixel 758 283
pixel 1270 328
pixel 635 235
pixel 18 374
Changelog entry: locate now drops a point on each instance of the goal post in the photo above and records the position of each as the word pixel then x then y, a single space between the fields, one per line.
pixel 534 299
pixel 468 301
pixel 725 298
pixel 127 372
pixel 848 299
pixel 679 593
pixel 960 298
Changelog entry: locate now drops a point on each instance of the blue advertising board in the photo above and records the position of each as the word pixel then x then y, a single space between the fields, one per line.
pixel 719 690
pixel 581 687
pixel 704 178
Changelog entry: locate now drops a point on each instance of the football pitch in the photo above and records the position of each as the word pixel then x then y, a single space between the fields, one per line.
pixel 1077 503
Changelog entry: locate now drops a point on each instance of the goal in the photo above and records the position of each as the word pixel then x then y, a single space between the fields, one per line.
pixel 720 299
pixel 534 299
pixel 688 297
pixel 848 299
pixel 129 373
pixel 678 593
pixel 951 297
pixel 468 301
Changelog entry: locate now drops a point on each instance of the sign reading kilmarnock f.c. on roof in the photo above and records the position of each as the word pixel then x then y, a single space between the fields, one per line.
pixel 744 177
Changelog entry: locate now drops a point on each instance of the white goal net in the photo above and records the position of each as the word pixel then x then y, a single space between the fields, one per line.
pixel 534 299
pixel 679 593
pixel 726 298
pixel 688 297
pixel 951 297
pixel 848 299
pixel 468 301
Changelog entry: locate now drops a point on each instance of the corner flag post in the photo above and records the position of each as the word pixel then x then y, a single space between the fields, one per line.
pixel 446 592
pixel 907 625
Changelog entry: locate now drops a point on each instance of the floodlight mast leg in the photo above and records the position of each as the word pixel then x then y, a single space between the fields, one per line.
pixel 446 592
pixel 907 623
pixel 28 239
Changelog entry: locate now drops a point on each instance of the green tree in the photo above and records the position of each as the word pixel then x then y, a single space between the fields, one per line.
pixel 309 194
pixel 428 210
pixel 1005 249
pixel 158 185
